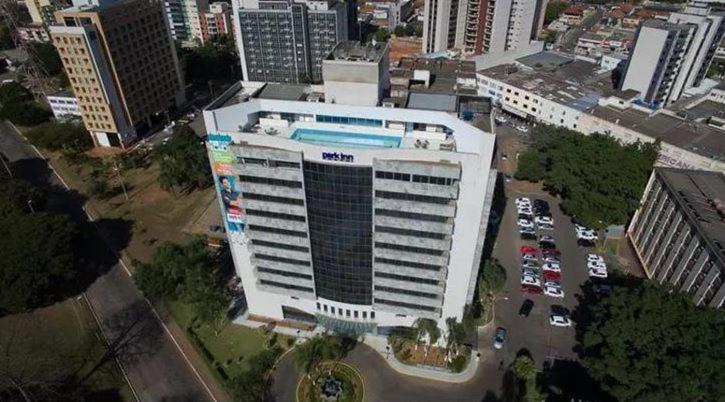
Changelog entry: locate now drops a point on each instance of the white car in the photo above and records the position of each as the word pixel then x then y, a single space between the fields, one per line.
pixel 547 238
pixel 523 201
pixel 544 220
pixel 551 266
pixel 529 257
pixel 559 321
pixel 551 258
pixel 596 265
pixel 529 272
pixel 529 264
pixel 553 291
pixel 525 223
pixel 530 280
pixel 523 129
pixel 543 226
pixel 598 273
pixel 595 258
pixel 586 236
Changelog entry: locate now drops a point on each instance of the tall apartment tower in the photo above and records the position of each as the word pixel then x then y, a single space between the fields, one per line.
pixel 481 26
pixel 285 40
pixel 360 219
pixel 121 64
pixel 671 57
pixel 184 20
pixel 216 21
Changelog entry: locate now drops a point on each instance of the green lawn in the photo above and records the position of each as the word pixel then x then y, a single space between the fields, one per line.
pixel 55 341
pixel 232 346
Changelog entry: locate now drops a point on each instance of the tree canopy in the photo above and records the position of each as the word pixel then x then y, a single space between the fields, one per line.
pixel 17 105
pixel 48 57
pixel 61 136
pixel 189 273
pixel 39 256
pixel 216 60
pixel 599 179
pixel 183 161
pixel 554 10
pixel 314 351
pixel 648 343
pixel 525 374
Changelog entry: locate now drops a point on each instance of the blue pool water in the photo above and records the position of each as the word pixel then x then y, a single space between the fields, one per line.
pixel 344 139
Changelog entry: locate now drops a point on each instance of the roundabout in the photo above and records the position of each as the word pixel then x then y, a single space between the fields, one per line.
pixel 332 380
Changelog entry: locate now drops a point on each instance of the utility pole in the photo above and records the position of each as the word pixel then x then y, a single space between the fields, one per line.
pixel 5 163
pixel 120 178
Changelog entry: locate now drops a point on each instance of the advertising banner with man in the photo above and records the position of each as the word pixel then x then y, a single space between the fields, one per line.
pixel 232 202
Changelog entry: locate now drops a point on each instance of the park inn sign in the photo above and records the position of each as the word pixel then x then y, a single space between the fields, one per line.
pixel 337 156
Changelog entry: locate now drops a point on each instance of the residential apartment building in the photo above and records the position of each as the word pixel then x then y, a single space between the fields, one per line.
pixel 122 66
pixel 671 57
pixel 286 41
pixel 679 231
pixel 217 21
pixel 395 13
pixel 33 33
pixel 481 26
pixel 357 218
pixel 184 18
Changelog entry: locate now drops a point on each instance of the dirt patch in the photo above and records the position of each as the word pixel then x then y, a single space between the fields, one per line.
pixel 433 356
pixel 404 47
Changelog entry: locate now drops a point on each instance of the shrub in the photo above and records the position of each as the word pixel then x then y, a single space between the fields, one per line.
pixel 458 363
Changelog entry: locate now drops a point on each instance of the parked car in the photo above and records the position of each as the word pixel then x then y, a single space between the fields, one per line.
pixel 602 289
pixel 525 223
pixel 527 235
pixel 499 338
pixel 559 321
pixel 551 266
pixel 529 250
pixel 522 201
pixel 552 259
pixel 596 265
pixel 542 226
pixel 552 276
pixel 598 273
pixel 501 120
pixel 529 264
pixel 530 272
pixel 529 257
pixel 530 280
pixel 553 291
pixel 522 129
pixel 526 308
pixel 531 289
pixel 552 252
pixel 547 245
pixel 595 258
pixel 544 220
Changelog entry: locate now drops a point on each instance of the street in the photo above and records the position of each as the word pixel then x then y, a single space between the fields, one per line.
pixel 155 367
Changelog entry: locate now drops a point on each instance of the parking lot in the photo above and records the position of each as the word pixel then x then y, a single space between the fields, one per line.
pixel 534 333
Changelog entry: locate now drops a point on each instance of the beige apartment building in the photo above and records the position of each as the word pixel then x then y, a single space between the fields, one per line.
pixel 122 66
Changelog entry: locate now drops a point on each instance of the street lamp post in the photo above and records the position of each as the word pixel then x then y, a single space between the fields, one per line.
pixel 30 206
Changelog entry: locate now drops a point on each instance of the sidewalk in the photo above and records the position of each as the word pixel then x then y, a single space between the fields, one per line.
pixel 379 343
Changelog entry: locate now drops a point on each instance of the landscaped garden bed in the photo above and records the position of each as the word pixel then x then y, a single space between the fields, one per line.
pixel 332 381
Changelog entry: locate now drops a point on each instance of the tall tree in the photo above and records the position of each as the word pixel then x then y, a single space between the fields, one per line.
pixel 314 351
pixel 183 161
pixel 189 273
pixel 599 179
pixel 648 343
pixel 39 260
pixel 526 388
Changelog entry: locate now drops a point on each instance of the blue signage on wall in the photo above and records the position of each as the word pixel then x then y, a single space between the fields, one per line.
pixel 337 156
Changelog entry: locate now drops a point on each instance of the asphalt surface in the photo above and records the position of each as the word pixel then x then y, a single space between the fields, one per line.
pixel 155 367
pixel 383 384
pixel 534 334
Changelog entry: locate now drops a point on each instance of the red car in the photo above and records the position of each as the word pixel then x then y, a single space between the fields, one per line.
pixel 531 289
pixel 552 252
pixel 552 276
pixel 529 250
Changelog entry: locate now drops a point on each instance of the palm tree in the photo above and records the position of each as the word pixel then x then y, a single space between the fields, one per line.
pixel 525 373
pixel 310 354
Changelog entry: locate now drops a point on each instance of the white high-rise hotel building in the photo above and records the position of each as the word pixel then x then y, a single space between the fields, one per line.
pixel 355 217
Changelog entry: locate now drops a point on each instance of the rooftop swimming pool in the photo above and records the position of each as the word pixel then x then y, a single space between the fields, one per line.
pixel 344 139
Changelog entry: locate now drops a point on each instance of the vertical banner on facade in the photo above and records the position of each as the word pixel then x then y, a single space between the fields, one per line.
pixel 228 187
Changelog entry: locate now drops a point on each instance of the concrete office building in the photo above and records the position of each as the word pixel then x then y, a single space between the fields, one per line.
pixel 217 21
pixel 357 218
pixel 481 26
pixel 679 231
pixel 671 57
pixel 184 20
pixel 63 104
pixel 122 66
pixel 355 74
pixel 286 41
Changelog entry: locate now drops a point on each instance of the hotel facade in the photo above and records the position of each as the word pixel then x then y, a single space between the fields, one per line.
pixel 357 218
